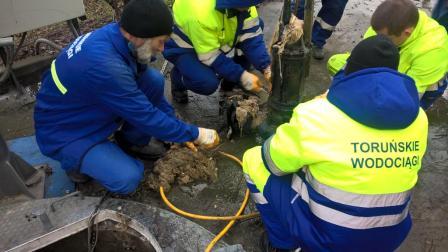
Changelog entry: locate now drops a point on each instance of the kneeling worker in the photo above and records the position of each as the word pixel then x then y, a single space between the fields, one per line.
pixel 216 40
pixel 101 82
pixel 338 176
pixel 422 42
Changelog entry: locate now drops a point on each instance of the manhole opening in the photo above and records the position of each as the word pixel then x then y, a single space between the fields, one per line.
pixel 112 236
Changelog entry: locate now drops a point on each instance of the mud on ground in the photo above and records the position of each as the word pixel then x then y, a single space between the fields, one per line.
pixel 429 206
pixel 181 166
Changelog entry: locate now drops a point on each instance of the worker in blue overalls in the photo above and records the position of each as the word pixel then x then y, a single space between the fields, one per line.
pixel 328 17
pixel 100 86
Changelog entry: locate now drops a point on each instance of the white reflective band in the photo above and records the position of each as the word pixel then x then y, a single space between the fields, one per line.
pixel 355 222
pixel 433 87
pixel 239 52
pixel 248 179
pixel 251 23
pixel 267 157
pixel 179 41
pixel 355 199
pixel 299 186
pixel 249 35
pixel 231 54
pixel 209 58
pixel 226 48
pixel 342 219
pixel 259 198
pixel 324 24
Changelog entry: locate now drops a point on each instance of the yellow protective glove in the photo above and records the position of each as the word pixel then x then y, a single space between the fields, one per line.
pixel 250 82
pixel 208 138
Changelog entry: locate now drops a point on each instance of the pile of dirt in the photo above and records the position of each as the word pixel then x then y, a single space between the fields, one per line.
pixel 182 166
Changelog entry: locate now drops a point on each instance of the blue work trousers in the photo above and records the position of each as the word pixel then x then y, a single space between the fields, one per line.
pixel 328 17
pixel 429 97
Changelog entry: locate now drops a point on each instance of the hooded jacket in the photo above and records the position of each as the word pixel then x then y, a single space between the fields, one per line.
pixel 96 91
pixel 351 158
pixel 212 29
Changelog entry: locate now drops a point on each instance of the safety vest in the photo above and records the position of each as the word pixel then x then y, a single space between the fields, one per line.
pixel 348 155
pixel 344 163
pixel 209 31
pixel 423 56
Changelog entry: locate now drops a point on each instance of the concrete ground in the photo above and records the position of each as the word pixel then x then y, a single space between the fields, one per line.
pixel 430 202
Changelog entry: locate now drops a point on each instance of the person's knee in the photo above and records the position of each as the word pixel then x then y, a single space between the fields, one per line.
pixel 127 182
pixel 205 86
pixel 211 86
pixel 151 81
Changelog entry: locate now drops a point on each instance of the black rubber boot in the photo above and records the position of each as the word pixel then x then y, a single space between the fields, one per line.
pixel 78 177
pixel 152 151
pixel 178 92
pixel 179 96
pixel 266 246
pixel 318 53
pixel 227 86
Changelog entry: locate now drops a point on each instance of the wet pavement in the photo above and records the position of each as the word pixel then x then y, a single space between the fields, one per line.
pixel 430 202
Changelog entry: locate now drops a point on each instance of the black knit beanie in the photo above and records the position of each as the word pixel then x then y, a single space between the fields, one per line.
pixel 375 51
pixel 147 18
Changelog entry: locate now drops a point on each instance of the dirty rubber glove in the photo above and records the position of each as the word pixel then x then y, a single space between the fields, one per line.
pixel 208 138
pixel 191 146
pixel 250 82
pixel 295 29
pixel 268 76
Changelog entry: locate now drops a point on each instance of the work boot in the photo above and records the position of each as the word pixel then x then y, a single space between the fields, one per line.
pixel 180 96
pixel 227 86
pixel 318 53
pixel 178 92
pixel 152 151
pixel 78 177
pixel 265 245
pixel 4 88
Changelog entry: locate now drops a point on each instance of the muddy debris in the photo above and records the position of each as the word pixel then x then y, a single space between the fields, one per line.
pixel 182 166
pixel 245 113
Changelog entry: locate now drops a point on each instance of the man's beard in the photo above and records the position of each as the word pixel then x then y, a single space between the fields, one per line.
pixel 144 52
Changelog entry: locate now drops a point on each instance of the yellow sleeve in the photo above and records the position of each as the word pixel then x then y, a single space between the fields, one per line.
pixel 203 38
pixel 369 33
pixel 283 152
pixel 279 155
pixel 429 68
pixel 336 63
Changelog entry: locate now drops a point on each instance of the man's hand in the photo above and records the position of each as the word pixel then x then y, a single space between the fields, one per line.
pixel 250 82
pixel 208 138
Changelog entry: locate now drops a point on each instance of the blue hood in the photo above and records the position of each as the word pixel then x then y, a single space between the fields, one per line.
pixel 380 98
pixel 224 4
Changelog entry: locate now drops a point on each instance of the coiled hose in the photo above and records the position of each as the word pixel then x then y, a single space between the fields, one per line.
pixel 231 219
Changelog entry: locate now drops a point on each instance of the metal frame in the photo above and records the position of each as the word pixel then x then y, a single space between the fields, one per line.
pixel 82 224
pixel 8 53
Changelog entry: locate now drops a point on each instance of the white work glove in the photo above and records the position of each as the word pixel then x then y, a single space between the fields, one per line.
pixel 208 138
pixel 250 82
